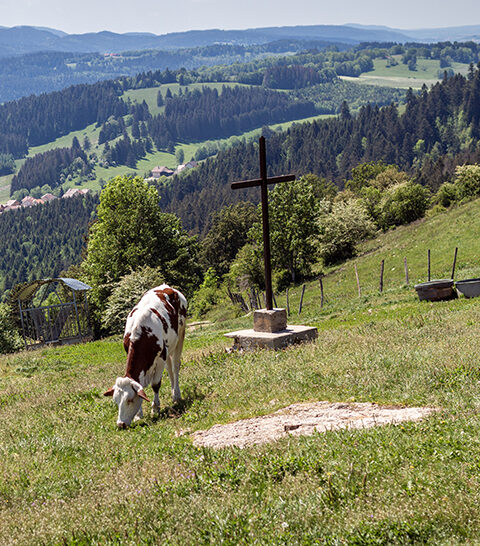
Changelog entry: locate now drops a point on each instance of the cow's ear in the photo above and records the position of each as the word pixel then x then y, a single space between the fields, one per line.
pixel 141 393
pixel 109 392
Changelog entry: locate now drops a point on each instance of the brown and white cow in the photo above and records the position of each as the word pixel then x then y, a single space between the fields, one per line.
pixel 153 339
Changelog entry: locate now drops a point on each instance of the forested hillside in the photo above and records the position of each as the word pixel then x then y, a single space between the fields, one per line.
pixel 209 114
pixel 36 120
pixel 439 129
pixel 44 72
pixel 43 240
pixel 436 130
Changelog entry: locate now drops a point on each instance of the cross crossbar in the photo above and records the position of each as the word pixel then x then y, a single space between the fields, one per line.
pixel 258 181
pixel 263 182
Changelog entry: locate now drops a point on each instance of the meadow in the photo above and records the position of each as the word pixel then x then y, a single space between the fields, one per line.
pixel 68 476
pixel 401 77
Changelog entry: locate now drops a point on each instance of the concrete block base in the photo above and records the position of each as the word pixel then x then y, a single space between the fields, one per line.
pixel 250 339
pixel 273 320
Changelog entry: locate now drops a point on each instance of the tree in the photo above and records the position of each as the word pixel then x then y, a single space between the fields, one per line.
pixel 131 232
pixel 341 226
pixel 159 98
pixel 180 155
pixel 292 213
pixel 227 236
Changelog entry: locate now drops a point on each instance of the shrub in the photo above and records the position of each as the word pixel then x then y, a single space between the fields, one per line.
pixel 125 295
pixel 247 269
pixel 467 181
pixel 10 339
pixel 342 225
pixel 207 295
pixel 446 195
pixel 403 204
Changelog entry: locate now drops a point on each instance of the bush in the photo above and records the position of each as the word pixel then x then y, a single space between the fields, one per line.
pixel 10 339
pixel 467 181
pixel 125 295
pixel 403 204
pixel 247 269
pixel 207 295
pixel 342 225
pixel 446 195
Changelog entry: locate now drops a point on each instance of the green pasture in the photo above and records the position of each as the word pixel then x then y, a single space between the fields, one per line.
pixel 65 141
pixel 400 76
pixel 149 94
pixel 68 476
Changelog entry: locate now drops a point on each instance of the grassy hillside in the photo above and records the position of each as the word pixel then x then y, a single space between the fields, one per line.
pixel 400 76
pixel 149 95
pixel 68 475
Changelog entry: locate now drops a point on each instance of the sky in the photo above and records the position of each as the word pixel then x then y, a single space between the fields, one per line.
pixel 164 16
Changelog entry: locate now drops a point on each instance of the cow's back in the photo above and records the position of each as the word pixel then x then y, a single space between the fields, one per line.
pixel 156 323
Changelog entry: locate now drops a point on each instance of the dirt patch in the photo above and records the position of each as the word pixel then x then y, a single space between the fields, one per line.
pixel 305 419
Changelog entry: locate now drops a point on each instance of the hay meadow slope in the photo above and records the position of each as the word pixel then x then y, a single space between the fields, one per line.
pixel 68 476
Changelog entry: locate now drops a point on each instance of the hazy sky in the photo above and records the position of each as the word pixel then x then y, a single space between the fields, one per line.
pixel 162 16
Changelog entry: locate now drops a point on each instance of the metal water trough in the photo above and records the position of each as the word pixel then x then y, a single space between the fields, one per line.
pixel 63 322
pixel 437 290
pixel 470 288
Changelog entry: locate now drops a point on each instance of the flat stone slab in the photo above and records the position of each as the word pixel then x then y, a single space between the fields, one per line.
pixel 251 339
pixel 306 419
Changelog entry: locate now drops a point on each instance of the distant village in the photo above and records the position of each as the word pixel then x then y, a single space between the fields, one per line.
pixel 157 172
pixel 29 201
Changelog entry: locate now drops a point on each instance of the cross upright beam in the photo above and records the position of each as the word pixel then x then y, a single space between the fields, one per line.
pixel 263 182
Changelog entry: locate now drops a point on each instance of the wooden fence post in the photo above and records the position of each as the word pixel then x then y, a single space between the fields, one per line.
pixel 358 281
pixel 288 304
pixel 428 258
pixel 382 267
pixel 454 263
pixel 406 269
pixel 321 292
pixel 301 300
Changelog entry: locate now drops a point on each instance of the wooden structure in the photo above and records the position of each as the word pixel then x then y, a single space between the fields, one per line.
pixel 270 329
pixel 54 311
pixel 263 182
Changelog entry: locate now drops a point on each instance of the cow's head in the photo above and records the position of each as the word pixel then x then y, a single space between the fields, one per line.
pixel 128 395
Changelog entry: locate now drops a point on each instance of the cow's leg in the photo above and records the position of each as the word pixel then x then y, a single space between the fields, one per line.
pixel 156 399
pixel 174 362
pixel 156 382
pixel 173 375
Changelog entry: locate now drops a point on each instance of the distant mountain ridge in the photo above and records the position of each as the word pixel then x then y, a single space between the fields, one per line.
pixel 463 33
pixel 29 39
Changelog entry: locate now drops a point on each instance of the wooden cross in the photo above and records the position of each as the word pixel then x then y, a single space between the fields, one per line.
pixel 263 181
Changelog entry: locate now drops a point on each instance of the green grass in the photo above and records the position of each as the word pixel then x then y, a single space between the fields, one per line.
pixel 68 476
pixel 149 94
pixel 66 141
pixel 400 76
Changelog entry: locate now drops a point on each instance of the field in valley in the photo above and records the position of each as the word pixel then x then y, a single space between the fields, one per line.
pixel 69 476
pixel 399 76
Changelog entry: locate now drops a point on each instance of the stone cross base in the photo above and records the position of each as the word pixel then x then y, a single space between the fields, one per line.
pixel 270 331
pixel 273 320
